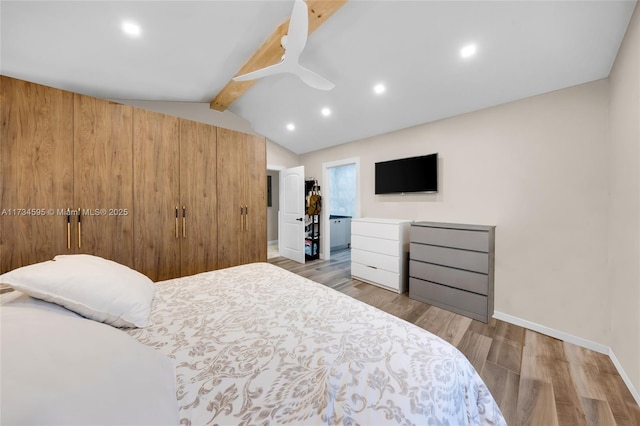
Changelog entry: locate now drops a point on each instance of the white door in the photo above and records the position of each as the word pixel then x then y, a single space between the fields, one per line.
pixel 291 217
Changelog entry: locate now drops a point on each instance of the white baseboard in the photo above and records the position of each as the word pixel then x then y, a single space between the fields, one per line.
pixel 575 340
pixel 553 333
pixel 272 243
pixel 625 378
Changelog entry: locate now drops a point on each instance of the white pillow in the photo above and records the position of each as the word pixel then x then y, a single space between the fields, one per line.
pixel 61 369
pixel 94 287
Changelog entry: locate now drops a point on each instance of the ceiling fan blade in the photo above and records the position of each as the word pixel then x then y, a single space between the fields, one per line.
pixel 298 29
pixel 262 72
pixel 295 42
pixel 312 79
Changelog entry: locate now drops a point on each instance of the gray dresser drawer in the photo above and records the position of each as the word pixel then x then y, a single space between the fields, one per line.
pixel 464 280
pixel 469 260
pixel 458 301
pixel 454 238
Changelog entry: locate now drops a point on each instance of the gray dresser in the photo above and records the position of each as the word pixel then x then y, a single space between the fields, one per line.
pixel 451 266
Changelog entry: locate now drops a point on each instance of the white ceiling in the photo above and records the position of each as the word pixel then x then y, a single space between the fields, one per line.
pixel 189 50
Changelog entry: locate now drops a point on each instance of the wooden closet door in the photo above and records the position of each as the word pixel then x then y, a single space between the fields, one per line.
pixel 255 195
pixel 230 189
pixel 156 162
pixel 199 237
pixel 242 186
pixel 36 160
pixel 103 178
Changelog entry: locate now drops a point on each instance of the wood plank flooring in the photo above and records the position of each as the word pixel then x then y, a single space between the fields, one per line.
pixel 536 379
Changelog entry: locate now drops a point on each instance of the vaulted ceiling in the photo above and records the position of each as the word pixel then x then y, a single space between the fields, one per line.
pixel 186 52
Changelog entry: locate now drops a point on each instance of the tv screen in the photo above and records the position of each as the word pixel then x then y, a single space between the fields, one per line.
pixel 414 174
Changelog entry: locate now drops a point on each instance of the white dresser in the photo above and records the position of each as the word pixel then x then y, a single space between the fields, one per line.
pixel 380 252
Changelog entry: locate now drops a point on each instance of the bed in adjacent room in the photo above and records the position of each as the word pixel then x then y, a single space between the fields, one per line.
pixel 256 344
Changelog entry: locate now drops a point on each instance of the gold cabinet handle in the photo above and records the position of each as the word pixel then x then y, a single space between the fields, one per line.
pixel 68 230
pixel 246 218
pixel 79 228
pixel 176 221
pixel 184 222
pixel 241 218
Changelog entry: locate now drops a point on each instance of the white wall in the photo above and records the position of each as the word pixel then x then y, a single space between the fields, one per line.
pixel 272 212
pixel 279 158
pixel 624 214
pixel 198 111
pixel 535 168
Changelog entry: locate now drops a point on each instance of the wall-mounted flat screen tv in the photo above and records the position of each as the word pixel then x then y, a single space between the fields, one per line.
pixel 414 174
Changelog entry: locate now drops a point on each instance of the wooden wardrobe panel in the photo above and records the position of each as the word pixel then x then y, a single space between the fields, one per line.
pixel 242 182
pixel 199 238
pixel 103 177
pixel 156 162
pixel 36 147
pixel 255 158
pixel 229 194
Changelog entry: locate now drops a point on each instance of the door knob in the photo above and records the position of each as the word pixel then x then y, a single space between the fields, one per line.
pixel 300 219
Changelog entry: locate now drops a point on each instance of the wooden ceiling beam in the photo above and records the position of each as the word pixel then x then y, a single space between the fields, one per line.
pixel 271 51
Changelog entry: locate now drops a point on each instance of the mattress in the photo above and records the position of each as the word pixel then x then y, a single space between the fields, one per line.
pixel 256 344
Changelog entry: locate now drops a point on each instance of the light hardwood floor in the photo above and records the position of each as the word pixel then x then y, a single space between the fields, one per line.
pixel 536 379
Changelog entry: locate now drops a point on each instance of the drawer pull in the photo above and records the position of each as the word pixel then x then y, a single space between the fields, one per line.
pixel 372 267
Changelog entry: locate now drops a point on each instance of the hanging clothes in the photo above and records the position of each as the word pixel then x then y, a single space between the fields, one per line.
pixel 315 201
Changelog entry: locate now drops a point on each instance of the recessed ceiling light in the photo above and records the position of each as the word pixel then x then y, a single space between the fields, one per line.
pixel 291 127
pixel 379 88
pixel 131 28
pixel 326 111
pixel 468 51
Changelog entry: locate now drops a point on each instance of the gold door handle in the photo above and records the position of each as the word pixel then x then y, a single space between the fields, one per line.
pixel 79 228
pixel 241 218
pixel 68 230
pixel 176 222
pixel 246 218
pixel 184 222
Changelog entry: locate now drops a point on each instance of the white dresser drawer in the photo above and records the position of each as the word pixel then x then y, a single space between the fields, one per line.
pixel 387 231
pixel 380 277
pixel 376 245
pixel 380 261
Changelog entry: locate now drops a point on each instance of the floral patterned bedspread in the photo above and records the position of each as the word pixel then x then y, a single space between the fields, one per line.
pixel 257 344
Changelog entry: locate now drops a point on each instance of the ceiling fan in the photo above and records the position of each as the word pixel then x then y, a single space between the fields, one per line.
pixel 293 43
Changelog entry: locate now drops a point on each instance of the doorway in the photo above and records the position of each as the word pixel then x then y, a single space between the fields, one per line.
pixel 273 200
pixel 285 213
pixel 341 202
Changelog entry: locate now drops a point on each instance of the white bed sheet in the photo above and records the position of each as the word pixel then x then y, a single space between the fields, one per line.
pixel 256 344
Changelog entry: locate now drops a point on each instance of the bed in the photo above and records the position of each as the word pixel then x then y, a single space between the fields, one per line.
pixel 256 344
